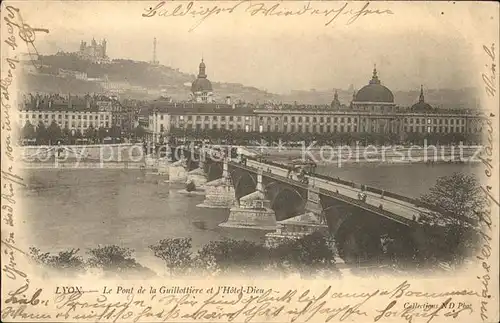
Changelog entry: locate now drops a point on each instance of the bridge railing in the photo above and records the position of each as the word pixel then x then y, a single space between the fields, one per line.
pixel 371 189
pixel 364 205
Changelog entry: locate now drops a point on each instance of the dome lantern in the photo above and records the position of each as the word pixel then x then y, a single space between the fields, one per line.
pixel 374 92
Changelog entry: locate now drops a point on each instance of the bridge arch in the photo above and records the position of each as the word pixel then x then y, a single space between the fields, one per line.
pixel 286 201
pixel 244 183
pixel 214 171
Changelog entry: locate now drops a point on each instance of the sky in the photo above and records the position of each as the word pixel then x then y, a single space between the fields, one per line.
pixel 435 44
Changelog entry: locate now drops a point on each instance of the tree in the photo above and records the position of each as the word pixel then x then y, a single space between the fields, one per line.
pixel 65 260
pixel 230 254
pixel 139 131
pixel 102 133
pixel 28 131
pixel 175 252
pixel 115 260
pixel 90 133
pixel 115 131
pixel 41 133
pixel 308 255
pixel 53 132
pixel 456 199
pixel 449 229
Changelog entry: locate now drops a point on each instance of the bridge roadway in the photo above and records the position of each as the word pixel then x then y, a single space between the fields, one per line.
pixel 393 206
pixel 398 210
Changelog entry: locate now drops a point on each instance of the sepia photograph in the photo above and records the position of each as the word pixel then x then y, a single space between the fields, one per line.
pixel 249 161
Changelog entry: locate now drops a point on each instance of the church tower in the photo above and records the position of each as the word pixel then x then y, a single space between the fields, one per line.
pixel 201 88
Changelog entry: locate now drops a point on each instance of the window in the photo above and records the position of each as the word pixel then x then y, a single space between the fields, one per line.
pixel 322 119
pixel 452 121
pixel 190 118
pixel 293 119
pixel 161 117
pixel 206 118
pixel 355 120
pixel 342 120
pixel 328 119
pixel 79 117
pixel 300 119
pixel 162 128
pixel 349 120
pixel 434 121
pixel 417 121
pixel 231 118
pixel 307 119
pixel 335 119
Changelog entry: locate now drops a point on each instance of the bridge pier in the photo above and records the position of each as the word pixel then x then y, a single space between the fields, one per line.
pixel 164 162
pixel 253 212
pixel 219 193
pixel 312 220
pixel 197 175
pixel 177 170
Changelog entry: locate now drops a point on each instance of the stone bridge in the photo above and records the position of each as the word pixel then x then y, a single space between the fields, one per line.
pixel 265 195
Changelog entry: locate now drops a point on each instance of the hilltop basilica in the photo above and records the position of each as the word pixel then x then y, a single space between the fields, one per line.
pixel 95 52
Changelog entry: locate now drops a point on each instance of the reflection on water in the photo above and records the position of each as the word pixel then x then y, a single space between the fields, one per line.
pixel 84 208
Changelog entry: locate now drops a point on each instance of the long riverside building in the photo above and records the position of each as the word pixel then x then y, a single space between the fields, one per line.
pixel 372 110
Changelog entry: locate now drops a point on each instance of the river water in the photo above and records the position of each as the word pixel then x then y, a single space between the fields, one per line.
pixel 83 208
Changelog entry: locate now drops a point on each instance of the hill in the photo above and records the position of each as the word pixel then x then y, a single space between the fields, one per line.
pixel 141 80
pixel 132 78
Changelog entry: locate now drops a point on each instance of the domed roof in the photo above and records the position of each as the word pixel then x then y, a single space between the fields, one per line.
pixel 421 105
pixel 374 92
pixel 201 84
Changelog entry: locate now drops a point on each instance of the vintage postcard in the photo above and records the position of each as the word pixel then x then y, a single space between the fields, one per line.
pixel 249 161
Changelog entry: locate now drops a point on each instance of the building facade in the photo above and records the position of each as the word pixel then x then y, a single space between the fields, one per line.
pixel 372 110
pixel 74 113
